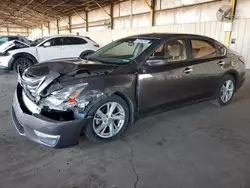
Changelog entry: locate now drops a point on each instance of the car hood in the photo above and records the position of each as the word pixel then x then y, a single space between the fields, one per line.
pixel 70 67
pixel 10 44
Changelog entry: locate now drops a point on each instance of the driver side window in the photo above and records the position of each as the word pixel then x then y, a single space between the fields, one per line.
pixel 59 41
pixel 174 50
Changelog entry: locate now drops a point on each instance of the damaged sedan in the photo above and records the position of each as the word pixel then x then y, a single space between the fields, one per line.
pixel 127 79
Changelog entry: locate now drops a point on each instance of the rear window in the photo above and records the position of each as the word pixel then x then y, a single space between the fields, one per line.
pixel 221 50
pixel 74 41
pixel 203 49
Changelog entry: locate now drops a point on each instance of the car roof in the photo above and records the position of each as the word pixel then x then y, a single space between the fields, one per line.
pixel 64 35
pixel 168 35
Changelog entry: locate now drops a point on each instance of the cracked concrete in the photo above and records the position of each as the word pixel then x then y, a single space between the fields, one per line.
pixel 197 146
pixel 132 162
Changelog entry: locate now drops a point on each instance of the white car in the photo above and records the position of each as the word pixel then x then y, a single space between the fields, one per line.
pixel 14 54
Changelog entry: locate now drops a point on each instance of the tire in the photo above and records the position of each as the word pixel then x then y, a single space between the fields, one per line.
pixel 84 54
pixel 93 128
pixel 220 98
pixel 23 63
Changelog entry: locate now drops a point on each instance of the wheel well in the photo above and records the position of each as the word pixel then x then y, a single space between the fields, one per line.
pixel 235 76
pixel 28 56
pixel 130 105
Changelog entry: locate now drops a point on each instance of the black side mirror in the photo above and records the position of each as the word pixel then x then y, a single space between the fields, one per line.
pixel 156 62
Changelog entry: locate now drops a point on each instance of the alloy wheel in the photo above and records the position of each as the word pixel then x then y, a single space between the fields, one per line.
pixel 227 91
pixel 108 119
pixel 22 65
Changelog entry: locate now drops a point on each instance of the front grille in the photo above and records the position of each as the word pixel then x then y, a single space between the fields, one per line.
pixel 30 84
pixel 33 86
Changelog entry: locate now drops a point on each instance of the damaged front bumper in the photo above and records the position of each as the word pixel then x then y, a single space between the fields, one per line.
pixel 46 131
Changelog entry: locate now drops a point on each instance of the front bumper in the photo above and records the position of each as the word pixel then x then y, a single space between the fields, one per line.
pixel 29 124
pixel 6 62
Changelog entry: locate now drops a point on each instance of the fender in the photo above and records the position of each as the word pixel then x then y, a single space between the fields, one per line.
pixel 125 97
pixel 235 74
pixel 22 54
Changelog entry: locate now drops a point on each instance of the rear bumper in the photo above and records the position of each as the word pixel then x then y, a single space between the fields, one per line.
pixel 63 133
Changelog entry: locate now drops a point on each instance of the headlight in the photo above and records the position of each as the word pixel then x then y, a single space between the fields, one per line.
pixel 65 97
pixel 4 53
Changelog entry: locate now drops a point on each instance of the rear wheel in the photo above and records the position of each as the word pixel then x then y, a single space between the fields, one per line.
pixel 21 64
pixel 225 91
pixel 110 120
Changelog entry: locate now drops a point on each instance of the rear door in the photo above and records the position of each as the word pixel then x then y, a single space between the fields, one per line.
pixel 207 60
pixel 74 46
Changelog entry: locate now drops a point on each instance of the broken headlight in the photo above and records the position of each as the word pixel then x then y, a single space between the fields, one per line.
pixel 64 98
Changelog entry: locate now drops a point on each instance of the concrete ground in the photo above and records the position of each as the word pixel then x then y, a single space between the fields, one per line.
pixel 199 146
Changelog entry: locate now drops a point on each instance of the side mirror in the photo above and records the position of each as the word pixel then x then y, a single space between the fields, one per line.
pixel 156 62
pixel 46 44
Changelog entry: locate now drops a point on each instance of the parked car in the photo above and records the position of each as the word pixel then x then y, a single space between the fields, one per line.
pixel 47 48
pixel 4 39
pixel 123 81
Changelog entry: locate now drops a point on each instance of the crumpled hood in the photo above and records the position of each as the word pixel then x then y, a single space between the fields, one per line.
pixel 8 45
pixel 70 66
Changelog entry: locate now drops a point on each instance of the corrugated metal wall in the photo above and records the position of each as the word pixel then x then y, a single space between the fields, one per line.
pixel 133 18
pixel 241 35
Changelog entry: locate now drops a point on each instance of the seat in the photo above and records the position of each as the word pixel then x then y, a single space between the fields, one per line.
pixel 204 52
pixel 176 51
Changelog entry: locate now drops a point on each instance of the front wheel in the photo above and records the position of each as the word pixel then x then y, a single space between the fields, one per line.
pixel 21 64
pixel 110 120
pixel 225 91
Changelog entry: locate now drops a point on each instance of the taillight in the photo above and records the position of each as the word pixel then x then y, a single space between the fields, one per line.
pixel 96 45
pixel 242 59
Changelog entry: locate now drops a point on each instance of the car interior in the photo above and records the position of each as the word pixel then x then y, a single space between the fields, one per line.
pixel 172 50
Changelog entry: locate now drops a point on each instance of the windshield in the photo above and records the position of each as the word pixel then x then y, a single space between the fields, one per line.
pixel 38 41
pixel 3 40
pixel 121 51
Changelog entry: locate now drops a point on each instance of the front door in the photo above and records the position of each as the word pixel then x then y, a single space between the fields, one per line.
pixel 52 49
pixel 168 84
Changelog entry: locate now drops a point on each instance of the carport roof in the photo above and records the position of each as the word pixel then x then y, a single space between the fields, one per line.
pixel 28 13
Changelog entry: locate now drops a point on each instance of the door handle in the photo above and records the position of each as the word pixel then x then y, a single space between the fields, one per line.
pixel 221 63
pixel 188 70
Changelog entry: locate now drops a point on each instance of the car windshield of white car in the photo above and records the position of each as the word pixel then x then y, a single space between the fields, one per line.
pixel 122 51
pixel 38 41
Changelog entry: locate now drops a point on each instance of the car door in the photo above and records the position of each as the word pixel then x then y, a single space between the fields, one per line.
pixel 166 79
pixel 51 49
pixel 207 62
pixel 75 46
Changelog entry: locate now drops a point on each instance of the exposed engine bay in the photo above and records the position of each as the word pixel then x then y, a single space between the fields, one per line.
pixel 47 94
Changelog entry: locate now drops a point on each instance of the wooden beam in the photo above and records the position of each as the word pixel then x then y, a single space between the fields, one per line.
pixel 79 15
pixel 111 17
pixel 86 22
pixel 7 29
pixel 70 30
pixel 57 26
pixel 102 8
pixel 48 28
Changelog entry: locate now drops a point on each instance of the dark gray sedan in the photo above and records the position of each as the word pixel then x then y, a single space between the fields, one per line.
pixel 127 79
